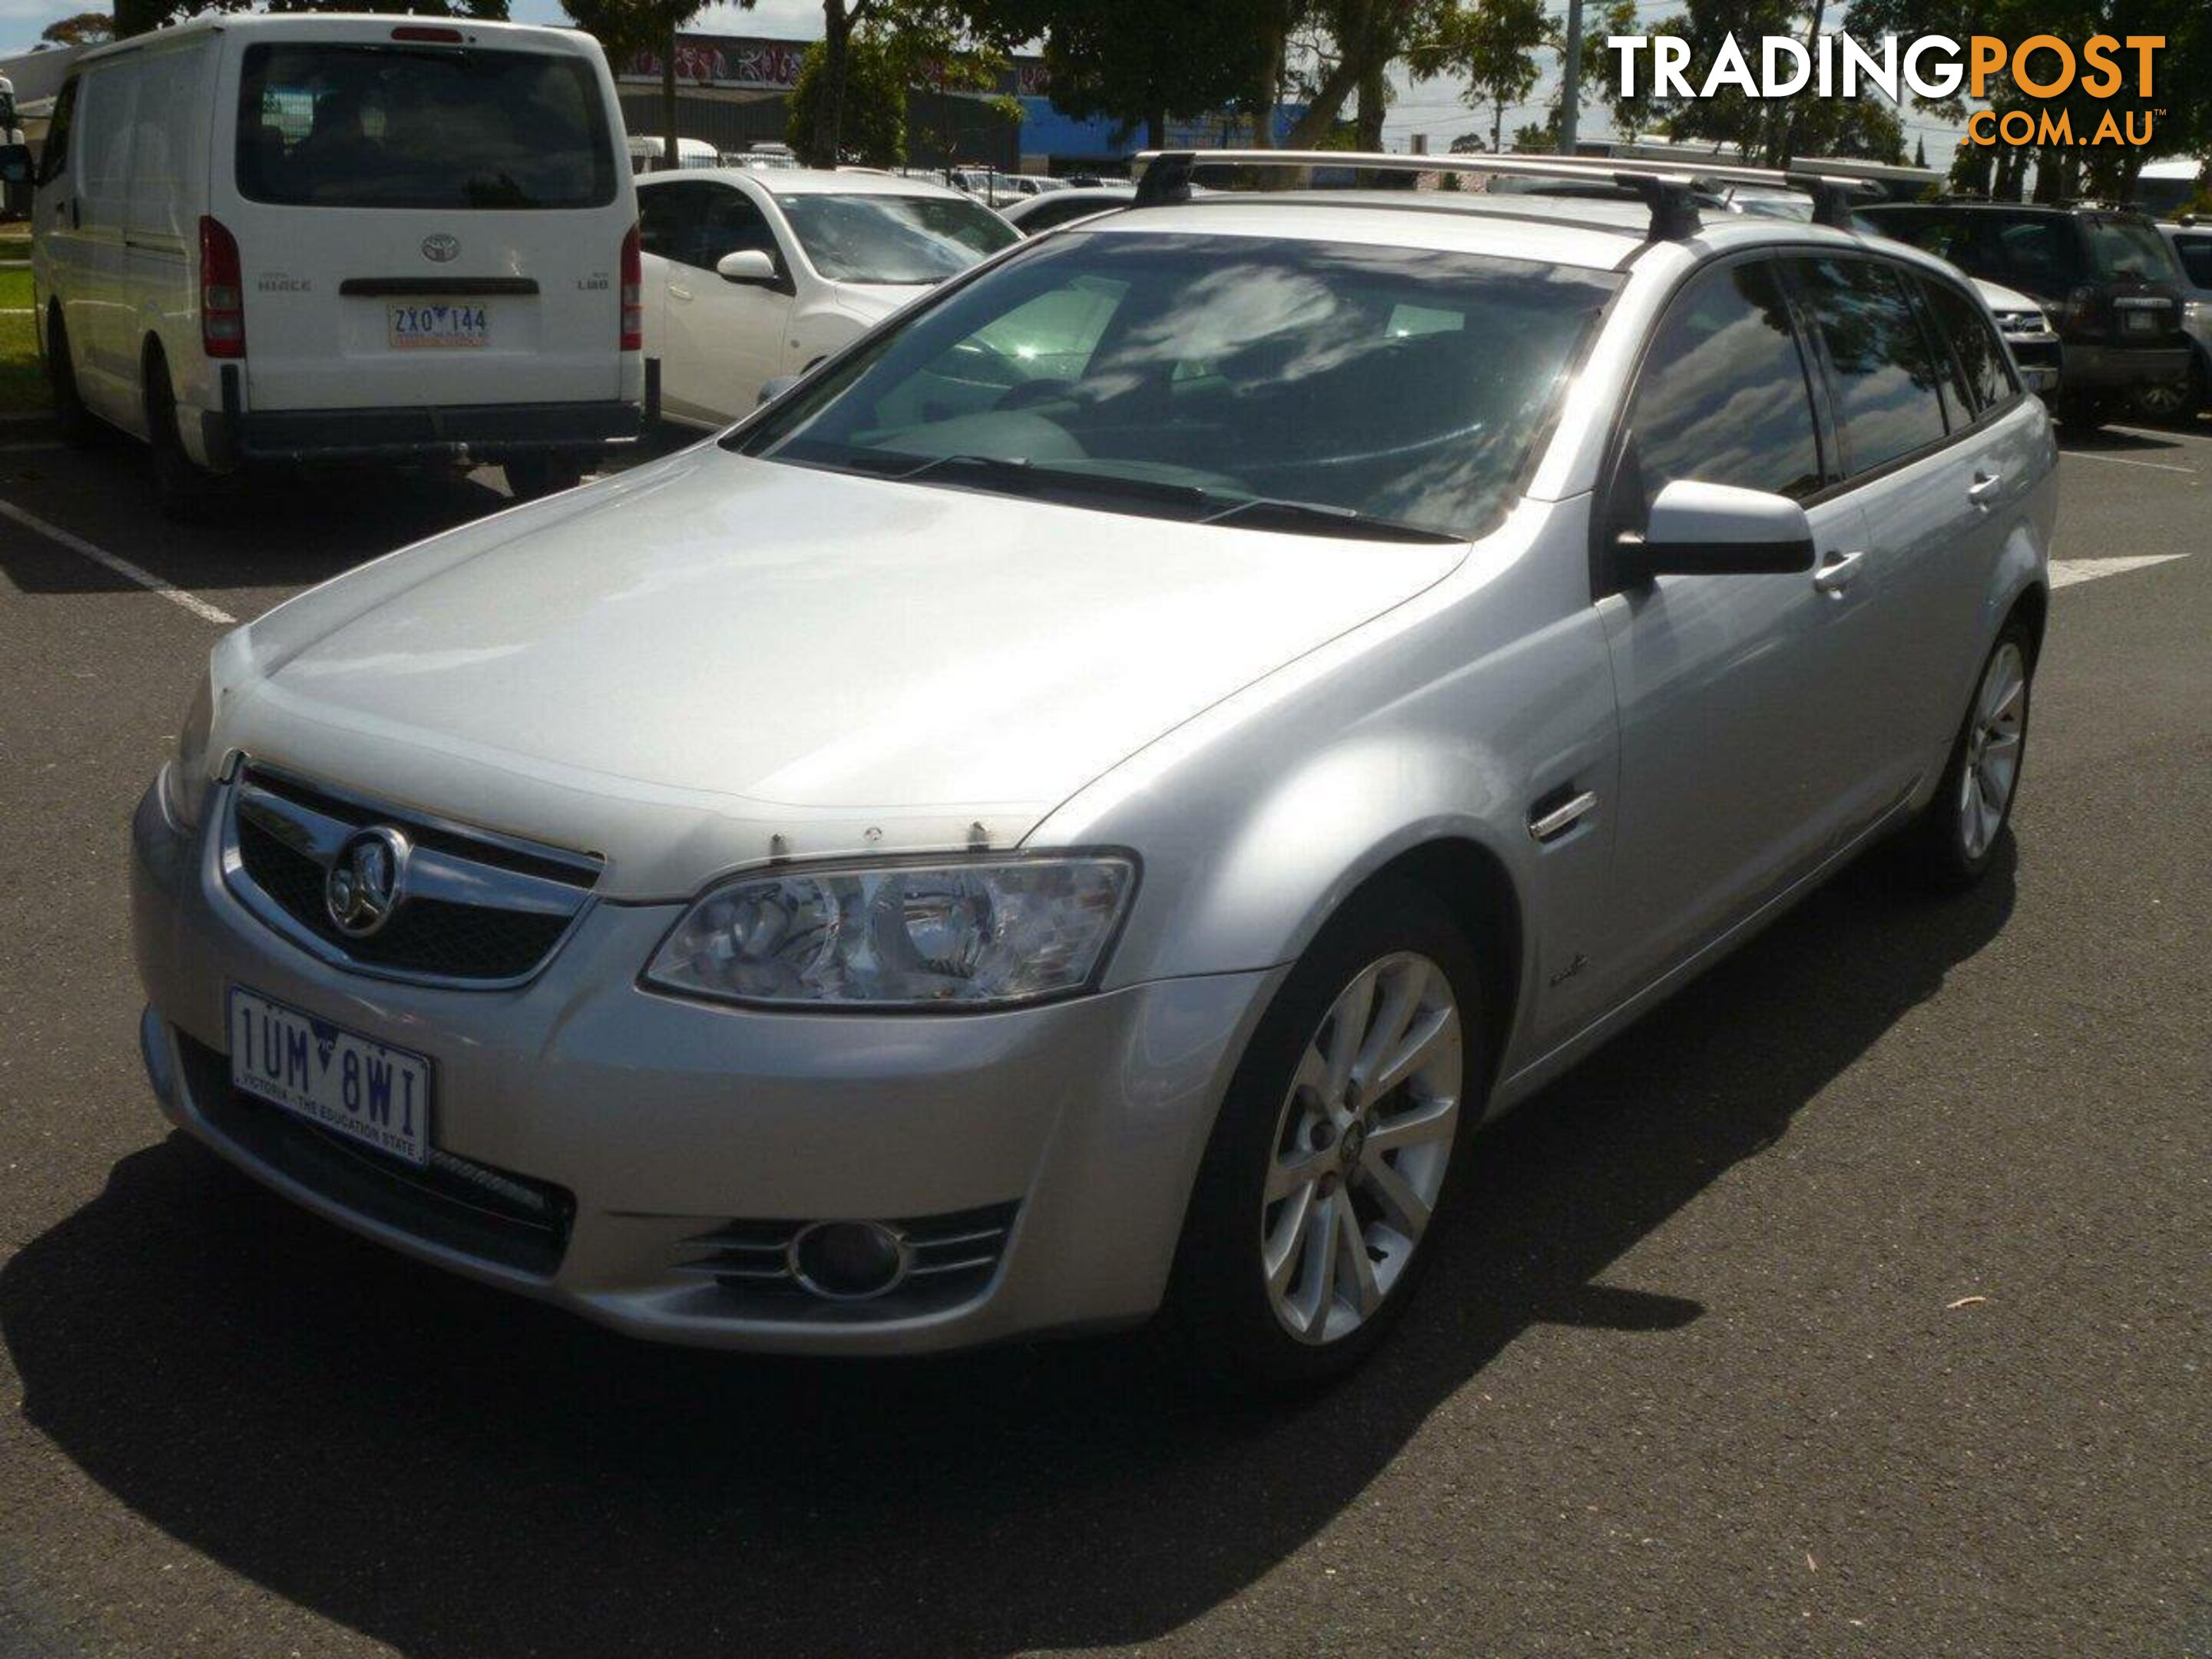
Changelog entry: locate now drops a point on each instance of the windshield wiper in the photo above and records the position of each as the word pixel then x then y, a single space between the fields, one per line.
pixel 1051 482
pixel 1319 519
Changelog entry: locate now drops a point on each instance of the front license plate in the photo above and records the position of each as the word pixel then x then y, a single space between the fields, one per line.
pixel 367 1091
pixel 434 326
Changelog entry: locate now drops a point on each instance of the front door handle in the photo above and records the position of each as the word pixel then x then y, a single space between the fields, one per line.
pixel 1838 574
pixel 1984 489
pixel 676 293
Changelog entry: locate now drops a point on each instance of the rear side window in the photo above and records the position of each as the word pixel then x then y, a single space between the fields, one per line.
pixel 1723 397
pixel 2195 256
pixel 1881 364
pixel 1982 364
pixel 2041 254
pixel 376 126
pixel 2128 249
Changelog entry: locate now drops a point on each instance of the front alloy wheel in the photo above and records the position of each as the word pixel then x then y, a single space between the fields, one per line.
pixel 1336 1147
pixel 1361 1148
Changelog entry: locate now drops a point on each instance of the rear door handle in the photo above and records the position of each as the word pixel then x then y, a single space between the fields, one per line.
pixel 676 293
pixel 1839 572
pixel 1984 489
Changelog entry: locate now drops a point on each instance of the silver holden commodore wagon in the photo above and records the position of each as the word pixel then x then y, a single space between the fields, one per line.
pixel 1088 802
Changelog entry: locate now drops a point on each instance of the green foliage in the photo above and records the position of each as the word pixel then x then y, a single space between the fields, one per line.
pixel 1494 43
pixel 872 125
pixel 1138 61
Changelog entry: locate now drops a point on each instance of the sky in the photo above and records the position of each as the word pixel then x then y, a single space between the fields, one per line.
pixel 1436 107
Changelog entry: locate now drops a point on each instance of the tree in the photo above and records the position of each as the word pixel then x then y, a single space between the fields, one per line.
pixel 626 29
pixel 872 126
pixel 1494 43
pixel 87 28
pixel 1140 61
pixel 1366 36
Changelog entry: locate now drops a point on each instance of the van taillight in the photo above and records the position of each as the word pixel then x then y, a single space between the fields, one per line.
pixel 633 294
pixel 222 293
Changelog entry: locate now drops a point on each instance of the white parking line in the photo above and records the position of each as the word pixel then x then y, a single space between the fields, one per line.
pixel 2064 573
pixel 2122 460
pixel 100 555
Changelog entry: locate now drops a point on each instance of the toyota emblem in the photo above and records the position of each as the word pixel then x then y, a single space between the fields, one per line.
pixel 366 881
pixel 442 249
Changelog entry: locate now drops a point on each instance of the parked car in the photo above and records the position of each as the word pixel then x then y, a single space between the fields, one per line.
pixel 2191 243
pixel 1062 207
pixel 295 237
pixel 1092 797
pixel 748 276
pixel 2105 280
pixel 646 154
pixel 762 157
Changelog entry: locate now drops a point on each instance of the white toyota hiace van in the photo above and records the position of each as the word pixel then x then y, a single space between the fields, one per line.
pixel 328 237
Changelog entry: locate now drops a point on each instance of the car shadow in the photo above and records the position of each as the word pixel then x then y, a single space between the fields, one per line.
pixel 2148 439
pixel 455 1473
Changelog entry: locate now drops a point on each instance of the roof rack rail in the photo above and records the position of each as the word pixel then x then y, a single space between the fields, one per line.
pixel 1668 189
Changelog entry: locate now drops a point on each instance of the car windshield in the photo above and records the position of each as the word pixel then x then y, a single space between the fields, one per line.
pixel 1292 385
pixel 893 239
pixel 378 126
pixel 2129 250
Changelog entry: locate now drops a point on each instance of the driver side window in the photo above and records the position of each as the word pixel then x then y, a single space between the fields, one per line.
pixel 1723 397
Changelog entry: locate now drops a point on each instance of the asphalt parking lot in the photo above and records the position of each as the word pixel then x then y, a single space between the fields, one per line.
pixel 1857 1302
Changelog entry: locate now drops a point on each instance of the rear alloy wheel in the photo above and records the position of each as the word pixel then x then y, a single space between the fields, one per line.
pixel 1335 1149
pixel 1957 836
pixel 2171 400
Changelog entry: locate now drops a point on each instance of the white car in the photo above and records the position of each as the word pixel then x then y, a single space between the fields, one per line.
pixel 750 275
pixel 2028 331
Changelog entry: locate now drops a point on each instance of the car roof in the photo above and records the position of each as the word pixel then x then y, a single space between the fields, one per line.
pixel 810 181
pixel 1591 233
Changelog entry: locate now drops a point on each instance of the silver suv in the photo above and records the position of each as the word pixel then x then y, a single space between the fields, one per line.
pixel 1095 796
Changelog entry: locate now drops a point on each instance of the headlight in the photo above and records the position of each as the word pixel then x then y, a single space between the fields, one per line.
pixel 185 779
pixel 963 934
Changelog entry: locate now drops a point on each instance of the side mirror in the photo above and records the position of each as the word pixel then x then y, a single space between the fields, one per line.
pixel 750 265
pixel 1716 530
pixel 16 164
pixel 775 387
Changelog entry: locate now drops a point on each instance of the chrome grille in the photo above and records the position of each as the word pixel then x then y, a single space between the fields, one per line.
pixel 479 911
pixel 950 1259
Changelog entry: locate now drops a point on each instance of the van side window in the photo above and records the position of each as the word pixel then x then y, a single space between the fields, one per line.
pixel 55 157
pixel 1723 397
pixel 1886 377
pixel 1982 364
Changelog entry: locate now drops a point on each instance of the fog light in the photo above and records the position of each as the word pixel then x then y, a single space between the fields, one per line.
pixel 847 1261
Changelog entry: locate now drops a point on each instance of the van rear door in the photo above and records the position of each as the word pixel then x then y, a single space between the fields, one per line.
pixel 427 216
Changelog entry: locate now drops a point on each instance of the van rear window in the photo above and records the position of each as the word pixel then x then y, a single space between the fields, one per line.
pixel 374 126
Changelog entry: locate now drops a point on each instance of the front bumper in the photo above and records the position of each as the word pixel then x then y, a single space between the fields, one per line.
pixel 660 1120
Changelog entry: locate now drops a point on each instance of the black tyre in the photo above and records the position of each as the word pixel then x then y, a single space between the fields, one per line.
pixel 2080 416
pixel 1339 1141
pixel 71 418
pixel 1954 841
pixel 2167 401
pixel 541 473
pixel 185 490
